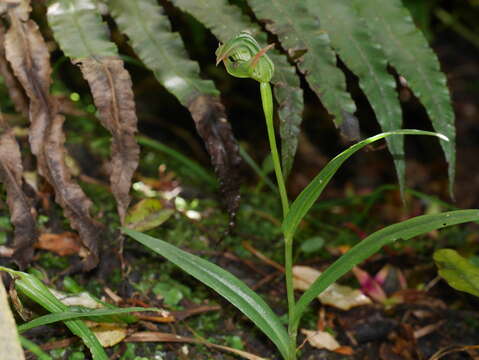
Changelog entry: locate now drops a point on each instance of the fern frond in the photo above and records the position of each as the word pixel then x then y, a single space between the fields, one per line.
pixel 29 58
pixel 299 33
pixel 21 211
pixel 226 21
pixel 408 51
pixel 352 41
pixel 163 52
pixel 160 49
pixel 78 28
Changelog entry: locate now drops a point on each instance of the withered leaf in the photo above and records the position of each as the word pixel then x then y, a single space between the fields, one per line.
pixel 321 339
pixel 29 58
pixel 21 210
pixel 63 244
pixel 213 127
pixel 112 92
pixel 15 90
pixel 68 193
pixel 110 334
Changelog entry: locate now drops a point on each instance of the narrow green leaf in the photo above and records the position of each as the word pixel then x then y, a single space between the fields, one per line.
pixel 351 39
pixel 79 29
pixel 262 174
pixel 304 201
pixel 195 168
pixel 34 289
pixel 225 284
pixel 404 230
pixel 34 349
pixel 91 314
pixel 408 51
pixel 226 21
pixel 299 32
pixel 458 272
pixel 160 49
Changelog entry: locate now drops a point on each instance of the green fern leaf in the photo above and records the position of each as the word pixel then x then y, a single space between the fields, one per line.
pixel 226 21
pixel 352 41
pixel 79 29
pixel 299 32
pixel 160 49
pixel 163 52
pixel 408 51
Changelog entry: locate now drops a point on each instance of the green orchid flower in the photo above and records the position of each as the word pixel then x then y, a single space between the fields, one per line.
pixel 244 58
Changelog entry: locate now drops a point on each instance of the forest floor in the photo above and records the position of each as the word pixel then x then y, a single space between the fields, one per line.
pixel 419 316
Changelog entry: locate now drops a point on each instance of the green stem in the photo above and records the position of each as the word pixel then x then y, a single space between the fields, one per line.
pixel 288 271
pixel 34 349
pixel 267 100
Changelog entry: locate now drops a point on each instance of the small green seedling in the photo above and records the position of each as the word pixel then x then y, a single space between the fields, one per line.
pixel 244 58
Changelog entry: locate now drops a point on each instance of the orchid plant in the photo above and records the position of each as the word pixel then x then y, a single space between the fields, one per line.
pixel 244 58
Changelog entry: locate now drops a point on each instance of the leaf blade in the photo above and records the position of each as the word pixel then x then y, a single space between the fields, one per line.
pixel 309 195
pixel 457 271
pixel 351 39
pixel 19 205
pixel 225 284
pixel 160 49
pixel 70 315
pixel 298 31
pixel 374 242
pixel 408 51
pixel 28 55
pixel 163 52
pixel 33 288
pixel 287 90
pixel 78 28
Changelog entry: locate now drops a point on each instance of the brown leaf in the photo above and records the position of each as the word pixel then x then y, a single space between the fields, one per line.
pixel 110 334
pixel 63 244
pixel 30 61
pixel 321 339
pixel 112 92
pixel 15 90
pixel 340 296
pixel 28 55
pixel 213 127
pixel 69 194
pixel 21 210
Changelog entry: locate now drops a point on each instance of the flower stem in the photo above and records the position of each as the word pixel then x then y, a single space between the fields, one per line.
pixel 267 100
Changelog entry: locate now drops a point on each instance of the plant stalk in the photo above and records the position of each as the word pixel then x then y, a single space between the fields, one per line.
pixel 288 270
pixel 267 101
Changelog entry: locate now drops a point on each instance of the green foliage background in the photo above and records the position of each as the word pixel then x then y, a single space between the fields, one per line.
pixel 368 36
